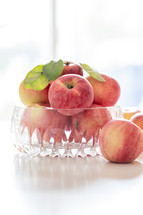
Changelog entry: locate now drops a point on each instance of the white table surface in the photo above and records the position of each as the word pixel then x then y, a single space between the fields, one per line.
pixel 39 186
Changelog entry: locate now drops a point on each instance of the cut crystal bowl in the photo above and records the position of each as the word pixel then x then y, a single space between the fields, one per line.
pixel 44 131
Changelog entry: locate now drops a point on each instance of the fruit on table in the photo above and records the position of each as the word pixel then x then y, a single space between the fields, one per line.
pixel 72 68
pixel 129 112
pixel 89 122
pixel 70 92
pixel 44 119
pixel 138 119
pixel 121 141
pixel 106 93
pixel 30 96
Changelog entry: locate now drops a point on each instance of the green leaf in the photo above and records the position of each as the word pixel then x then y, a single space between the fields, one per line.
pixel 40 76
pixel 53 69
pixel 35 79
pixel 96 75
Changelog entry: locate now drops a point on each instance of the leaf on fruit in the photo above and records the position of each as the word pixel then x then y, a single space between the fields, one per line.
pixel 35 79
pixel 53 69
pixel 40 76
pixel 96 75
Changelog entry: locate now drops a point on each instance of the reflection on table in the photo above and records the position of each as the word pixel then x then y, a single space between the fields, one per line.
pixel 43 174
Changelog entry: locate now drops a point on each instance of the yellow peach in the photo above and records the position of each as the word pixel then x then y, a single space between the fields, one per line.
pixel 30 96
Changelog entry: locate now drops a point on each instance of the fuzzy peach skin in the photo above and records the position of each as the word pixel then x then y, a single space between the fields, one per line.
pixel 45 120
pixel 30 96
pixel 88 123
pixel 121 141
pixel 138 119
pixel 129 112
pixel 72 68
pixel 70 92
pixel 106 93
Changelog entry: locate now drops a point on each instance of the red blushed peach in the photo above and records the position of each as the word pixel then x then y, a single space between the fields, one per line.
pixel 88 123
pixel 106 93
pixel 44 119
pixel 138 119
pixel 72 68
pixel 129 112
pixel 70 92
pixel 57 132
pixel 121 141
pixel 29 96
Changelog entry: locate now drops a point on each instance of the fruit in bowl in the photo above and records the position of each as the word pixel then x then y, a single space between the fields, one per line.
pixel 61 107
pixel 70 92
pixel 72 68
pixel 42 130
pixel 30 96
pixel 45 121
pixel 106 93
pixel 88 123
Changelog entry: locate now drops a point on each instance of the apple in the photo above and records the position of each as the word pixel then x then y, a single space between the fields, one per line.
pixel 70 92
pixel 121 141
pixel 45 119
pixel 138 119
pixel 129 112
pixel 106 93
pixel 72 68
pixel 30 96
pixel 89 122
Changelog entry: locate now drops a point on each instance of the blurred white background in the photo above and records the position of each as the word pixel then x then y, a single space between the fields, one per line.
pixel 108 35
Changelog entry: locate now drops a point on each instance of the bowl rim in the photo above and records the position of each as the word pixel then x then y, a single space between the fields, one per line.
pixel 21 106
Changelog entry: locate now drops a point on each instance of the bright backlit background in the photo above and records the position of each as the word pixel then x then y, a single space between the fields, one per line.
pixel 108 35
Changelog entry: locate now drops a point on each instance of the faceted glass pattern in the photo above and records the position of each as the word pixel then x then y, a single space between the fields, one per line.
pixel 46 132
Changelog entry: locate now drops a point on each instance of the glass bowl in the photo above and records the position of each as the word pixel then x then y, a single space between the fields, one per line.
pixel 44 131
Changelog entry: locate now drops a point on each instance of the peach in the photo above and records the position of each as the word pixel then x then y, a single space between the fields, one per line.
pixel 129 112
pixel 70 92
pixel 89 122
pixel 72 68
pixel 106 93
pixel 30 96
pixel 138 119
pixel 44 119
pixel 121 141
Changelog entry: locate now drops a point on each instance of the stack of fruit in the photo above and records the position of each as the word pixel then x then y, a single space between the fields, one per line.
pixel 60 99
